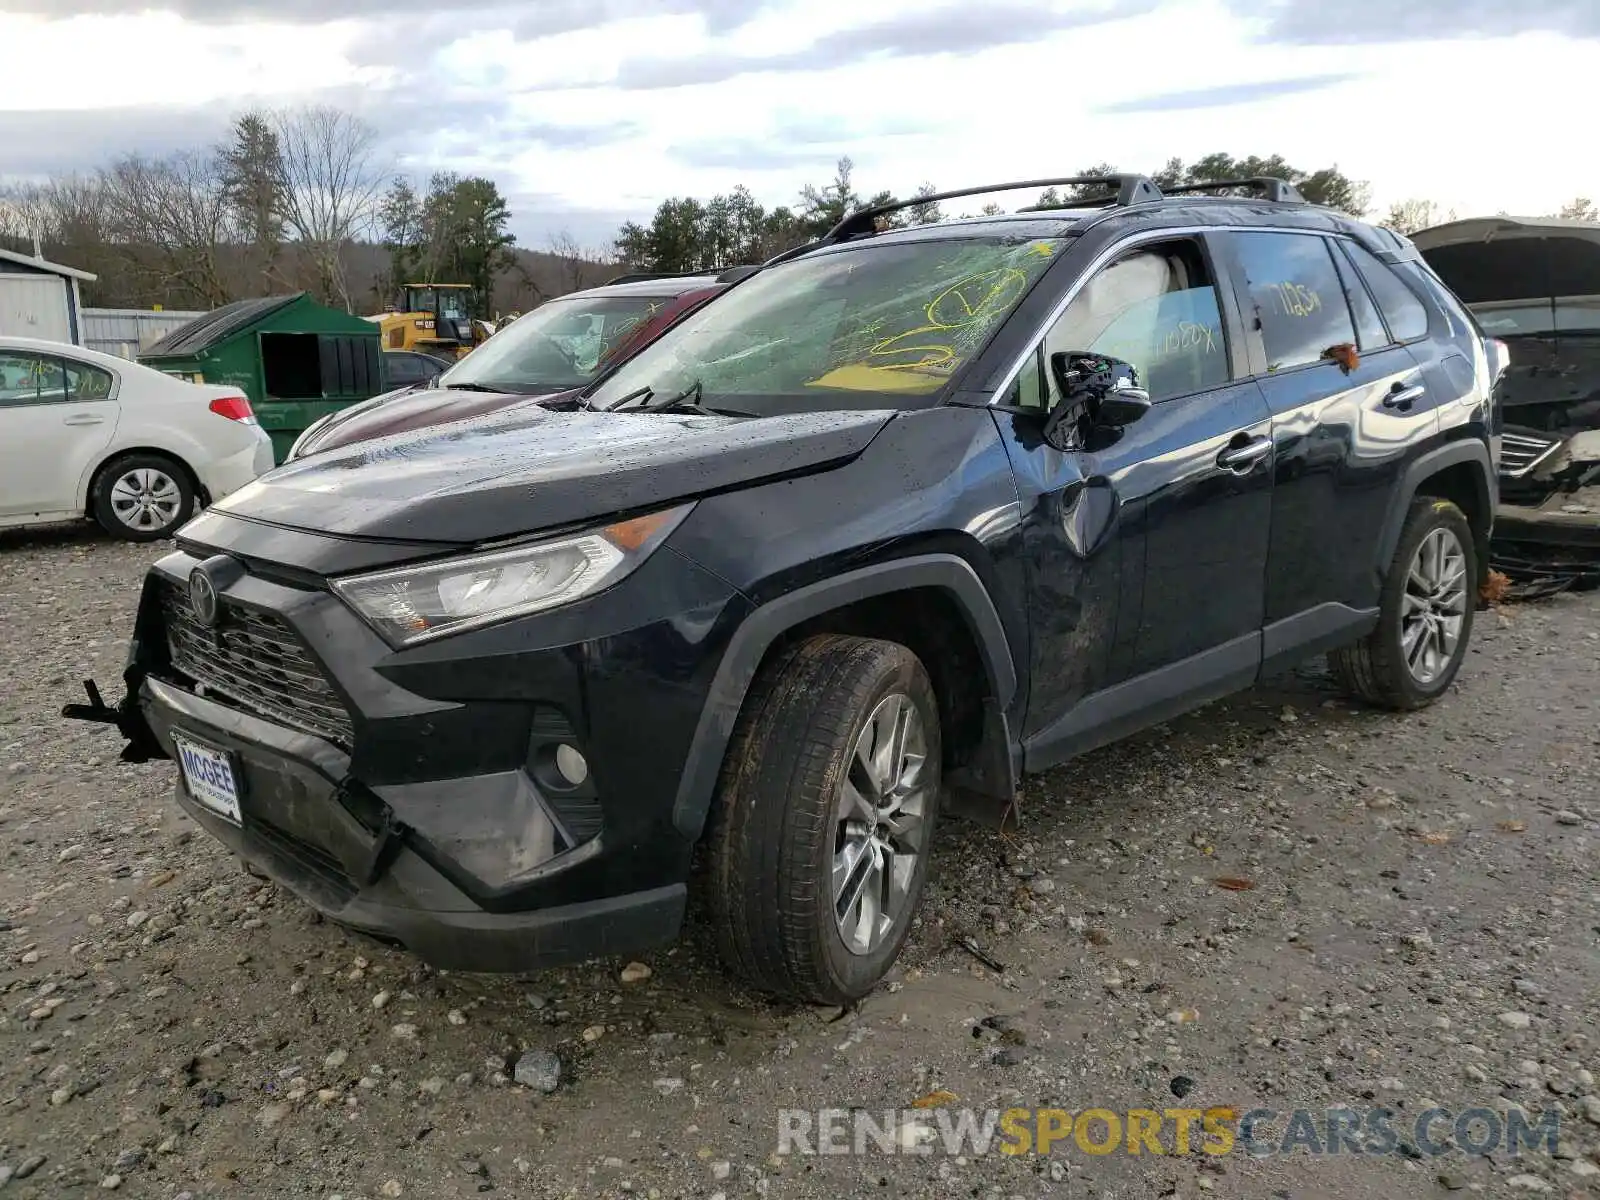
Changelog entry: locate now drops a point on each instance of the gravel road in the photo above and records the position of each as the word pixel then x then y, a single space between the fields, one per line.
pixel 1409 917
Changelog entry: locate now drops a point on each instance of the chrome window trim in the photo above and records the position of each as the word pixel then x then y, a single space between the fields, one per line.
pixel 1118 247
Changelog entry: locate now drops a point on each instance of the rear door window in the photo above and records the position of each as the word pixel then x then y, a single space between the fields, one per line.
pixel 1298 299
pixel 85 382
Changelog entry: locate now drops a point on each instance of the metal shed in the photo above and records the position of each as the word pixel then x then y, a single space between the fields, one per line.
pixel 126 332
pixel 39 299
pixel 296 359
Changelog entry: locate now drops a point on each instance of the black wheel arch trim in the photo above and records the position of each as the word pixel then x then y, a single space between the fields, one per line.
pixel 1466 450
pixel 765 625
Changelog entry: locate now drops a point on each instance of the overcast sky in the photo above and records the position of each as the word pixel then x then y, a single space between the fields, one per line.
pixel 587 112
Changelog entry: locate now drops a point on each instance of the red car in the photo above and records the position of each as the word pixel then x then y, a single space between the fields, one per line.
pixel 561 346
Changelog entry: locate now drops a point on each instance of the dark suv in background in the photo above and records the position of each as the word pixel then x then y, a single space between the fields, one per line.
pixel 901 516
pixel 561 346
pixel 1535 285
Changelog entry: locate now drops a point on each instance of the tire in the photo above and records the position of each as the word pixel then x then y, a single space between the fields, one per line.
pixel 777 835
pixel 143 497
pixel 1387 668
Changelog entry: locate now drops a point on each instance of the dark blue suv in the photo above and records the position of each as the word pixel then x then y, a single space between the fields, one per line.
pixel 904 514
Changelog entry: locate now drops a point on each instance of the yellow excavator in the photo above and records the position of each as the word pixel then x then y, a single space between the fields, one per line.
pixel 432 318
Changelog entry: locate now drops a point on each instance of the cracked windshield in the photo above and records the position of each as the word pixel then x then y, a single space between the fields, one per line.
pixel 849 329
pixel 560 345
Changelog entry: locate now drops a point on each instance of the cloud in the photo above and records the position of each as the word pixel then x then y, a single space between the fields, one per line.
pixel 224 12
pixel 415 129
pixel 1311 22
pixel 917 34
pixel 1226 95
pixel 549 18
pixel 47 141
pixel 541 18
pixel 796 140
pixel 536 217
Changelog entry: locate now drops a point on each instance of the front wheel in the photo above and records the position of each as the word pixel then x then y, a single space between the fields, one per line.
pixel 825 813
pixel 143 497
pixel 1424 616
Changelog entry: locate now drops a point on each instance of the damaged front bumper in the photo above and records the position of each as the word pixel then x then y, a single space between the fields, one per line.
pixel 1547 528
pixel 427 821
pixel 338 845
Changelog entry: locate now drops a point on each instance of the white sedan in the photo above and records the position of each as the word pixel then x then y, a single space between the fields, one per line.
pixel 89 435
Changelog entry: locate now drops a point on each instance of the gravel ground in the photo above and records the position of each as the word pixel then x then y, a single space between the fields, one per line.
pixel 1408 917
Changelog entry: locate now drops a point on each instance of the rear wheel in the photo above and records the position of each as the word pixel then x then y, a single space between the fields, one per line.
pixel 825 813
pixel 1424 617
pixel 143 497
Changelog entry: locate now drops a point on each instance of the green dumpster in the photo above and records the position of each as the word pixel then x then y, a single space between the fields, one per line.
pixel 295 359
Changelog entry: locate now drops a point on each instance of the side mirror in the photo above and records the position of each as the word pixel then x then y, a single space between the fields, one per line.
pixel 1096 390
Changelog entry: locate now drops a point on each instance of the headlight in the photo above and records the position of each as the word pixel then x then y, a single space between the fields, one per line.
pixel 417 604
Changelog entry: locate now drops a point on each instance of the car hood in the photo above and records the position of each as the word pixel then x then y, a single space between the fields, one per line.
pixel 527 468
pixel 413 407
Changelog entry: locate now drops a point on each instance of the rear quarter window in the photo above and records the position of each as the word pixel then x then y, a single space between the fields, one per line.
pixel 1402 311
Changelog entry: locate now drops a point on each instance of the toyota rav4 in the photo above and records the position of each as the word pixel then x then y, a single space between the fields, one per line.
pixel 900 517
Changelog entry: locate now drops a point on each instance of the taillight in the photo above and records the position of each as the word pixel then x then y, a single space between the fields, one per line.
pixel 235 408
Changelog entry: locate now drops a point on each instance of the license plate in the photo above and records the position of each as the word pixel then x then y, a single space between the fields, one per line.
pixel 209 776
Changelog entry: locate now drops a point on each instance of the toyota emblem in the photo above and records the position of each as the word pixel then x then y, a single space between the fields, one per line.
pixel 203 596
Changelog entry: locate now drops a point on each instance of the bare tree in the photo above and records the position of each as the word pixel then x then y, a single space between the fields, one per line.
pixel 168 221
pixel 66 209
pixel 577 267
pixel 332 181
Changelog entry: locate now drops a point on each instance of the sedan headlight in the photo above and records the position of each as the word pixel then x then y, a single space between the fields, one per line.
pixel 417 604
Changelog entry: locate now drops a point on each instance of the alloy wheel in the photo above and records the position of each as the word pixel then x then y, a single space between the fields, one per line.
pixel 1434 606
pixel 880 825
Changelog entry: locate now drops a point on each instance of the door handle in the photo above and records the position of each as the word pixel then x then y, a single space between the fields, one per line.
pixel 1240 459
pixel 1402 397
pixel 83 419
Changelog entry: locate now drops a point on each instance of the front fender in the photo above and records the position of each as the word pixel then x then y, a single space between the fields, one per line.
pixel 765 625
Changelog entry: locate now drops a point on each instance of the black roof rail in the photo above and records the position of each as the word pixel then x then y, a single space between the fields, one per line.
pixel 1278 191
pixel 641 276
pixel 793 252
pixel 1130 189
pixel 735 274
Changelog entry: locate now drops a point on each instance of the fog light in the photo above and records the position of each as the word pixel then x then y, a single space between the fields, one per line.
pixel 573 766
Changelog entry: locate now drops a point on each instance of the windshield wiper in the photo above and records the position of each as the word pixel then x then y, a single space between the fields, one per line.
pixel 501 389
pixel 687 400
pixel 643 393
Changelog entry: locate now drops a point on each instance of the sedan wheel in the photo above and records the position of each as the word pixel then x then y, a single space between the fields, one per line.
pixel 146 500
pixel 143 497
